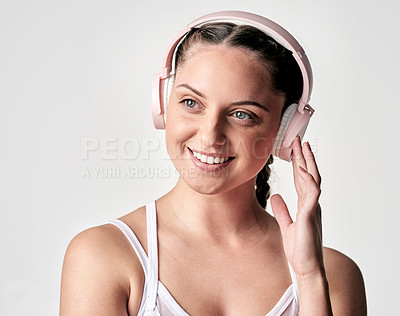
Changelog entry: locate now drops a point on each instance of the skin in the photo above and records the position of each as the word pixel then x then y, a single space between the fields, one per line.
pixel 220 253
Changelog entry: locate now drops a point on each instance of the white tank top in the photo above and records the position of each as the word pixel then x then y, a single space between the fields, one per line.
pixel 157 300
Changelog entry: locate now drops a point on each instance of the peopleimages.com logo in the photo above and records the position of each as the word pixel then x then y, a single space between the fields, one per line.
pixel 113 148
pixel 123 158
pixel 118 172
pixel 129 157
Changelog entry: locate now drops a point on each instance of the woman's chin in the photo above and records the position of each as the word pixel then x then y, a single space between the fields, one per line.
pixel 203 186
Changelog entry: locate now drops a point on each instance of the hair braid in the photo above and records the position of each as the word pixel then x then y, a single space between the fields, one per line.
pixel 263 189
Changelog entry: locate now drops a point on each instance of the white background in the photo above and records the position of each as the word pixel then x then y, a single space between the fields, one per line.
pixel 77 70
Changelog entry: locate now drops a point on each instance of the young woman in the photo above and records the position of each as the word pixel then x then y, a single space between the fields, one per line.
pixel 208 247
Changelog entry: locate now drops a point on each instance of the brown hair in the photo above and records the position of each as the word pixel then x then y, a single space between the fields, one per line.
pixel 286 78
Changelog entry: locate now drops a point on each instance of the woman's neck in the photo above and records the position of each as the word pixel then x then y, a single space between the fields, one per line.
pixel 220 216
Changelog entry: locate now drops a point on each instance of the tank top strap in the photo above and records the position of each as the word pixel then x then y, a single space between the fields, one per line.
pixel 152 263
pixel 295 284
pixel 135 243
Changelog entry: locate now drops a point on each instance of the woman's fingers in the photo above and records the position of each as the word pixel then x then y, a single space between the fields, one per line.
pixel 310 163
pixel 280 211
pixel 298 161
pixel 312 193
pixel 303 157
pixel 297 156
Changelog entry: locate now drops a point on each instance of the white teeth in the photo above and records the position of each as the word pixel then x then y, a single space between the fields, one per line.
pixel 209 159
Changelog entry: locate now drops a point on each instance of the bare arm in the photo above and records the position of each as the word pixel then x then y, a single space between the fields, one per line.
pixel 314 294
pixel 302 239
pixel 94 276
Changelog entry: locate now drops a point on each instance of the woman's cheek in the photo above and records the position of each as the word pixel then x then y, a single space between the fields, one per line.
pixel 261 148
pixel 263 143
pixel 177 132
pixel 254 144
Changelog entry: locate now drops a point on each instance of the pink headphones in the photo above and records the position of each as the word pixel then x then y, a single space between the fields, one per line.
pixel 296 117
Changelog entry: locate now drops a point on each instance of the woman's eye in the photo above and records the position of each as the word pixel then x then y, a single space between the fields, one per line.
pixel 189 103
pixel 242 115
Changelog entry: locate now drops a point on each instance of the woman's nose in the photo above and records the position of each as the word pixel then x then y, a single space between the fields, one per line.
pixel 212 130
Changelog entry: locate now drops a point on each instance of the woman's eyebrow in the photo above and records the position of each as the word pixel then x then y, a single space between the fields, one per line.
pixel 251 103
pixel 185 85
pixel 254 103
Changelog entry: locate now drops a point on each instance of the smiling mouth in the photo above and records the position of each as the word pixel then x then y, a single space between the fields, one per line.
pixel 210 160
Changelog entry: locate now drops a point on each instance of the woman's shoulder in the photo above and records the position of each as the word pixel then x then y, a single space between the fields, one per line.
pixel 346 283
pixel 101 265
pixel 105 241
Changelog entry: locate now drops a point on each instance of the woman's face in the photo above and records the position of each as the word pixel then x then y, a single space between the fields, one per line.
pixel 222 118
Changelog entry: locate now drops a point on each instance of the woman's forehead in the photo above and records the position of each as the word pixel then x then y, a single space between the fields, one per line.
pixel 242 53
pixel 220 64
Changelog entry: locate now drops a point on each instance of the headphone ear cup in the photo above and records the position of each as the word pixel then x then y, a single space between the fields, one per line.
pixel 167 90
pixel 157 102
pixel 160 97
pixel 285 122
pixel 293 123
